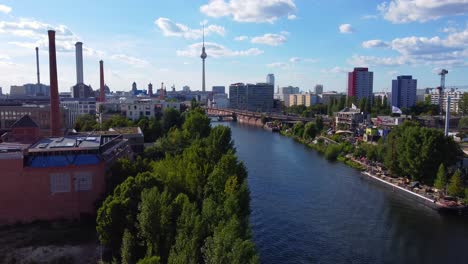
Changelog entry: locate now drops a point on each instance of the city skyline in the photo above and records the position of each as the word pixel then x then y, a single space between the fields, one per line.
pixel 159 42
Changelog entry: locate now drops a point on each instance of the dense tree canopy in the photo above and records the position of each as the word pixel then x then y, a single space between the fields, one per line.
pixel 191 205
pixel 86 123
pixel 416 152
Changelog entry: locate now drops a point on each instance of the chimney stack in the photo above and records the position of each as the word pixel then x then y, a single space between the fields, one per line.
pixel 102 93
pixel 37 66
pixel 55 123
pixel 150 90
pixel 161 92
pixel 79 62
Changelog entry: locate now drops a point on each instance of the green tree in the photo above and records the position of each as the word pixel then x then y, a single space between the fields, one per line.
pixel 319 123
pixel 128 247
pixel 298 129
pixel 194 103
pixel 310 130
pixel 155 218
pixel 171 118
pixel 86 123
pixel 150 260
pixel 226 246
pixel 441 178
pixel 416 152
pixel 333 151
pixel 197 124
pixel 117 121
pixel 463 123
pixel 455 187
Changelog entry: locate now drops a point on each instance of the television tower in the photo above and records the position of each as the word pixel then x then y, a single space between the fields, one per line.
pixel 203 57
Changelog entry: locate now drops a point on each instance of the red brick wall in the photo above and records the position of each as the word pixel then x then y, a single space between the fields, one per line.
pixel 25 193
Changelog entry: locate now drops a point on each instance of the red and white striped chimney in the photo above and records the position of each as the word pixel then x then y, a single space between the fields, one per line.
pixel 55 122
pixel 102 94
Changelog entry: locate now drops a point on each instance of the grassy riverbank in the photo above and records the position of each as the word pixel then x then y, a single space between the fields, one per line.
pixel 331 151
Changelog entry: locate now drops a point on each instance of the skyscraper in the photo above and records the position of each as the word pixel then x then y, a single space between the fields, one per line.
pixel 404 91
pixel 361 83
pixel 203 57
pixel 318 89
pixel 270 79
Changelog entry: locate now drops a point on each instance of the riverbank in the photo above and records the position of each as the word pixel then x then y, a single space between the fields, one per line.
pixel 322 148
pixel 423 194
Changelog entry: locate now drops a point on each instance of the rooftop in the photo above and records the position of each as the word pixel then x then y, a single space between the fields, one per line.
pixel 66 143
pixel 25 121
pixel 126 130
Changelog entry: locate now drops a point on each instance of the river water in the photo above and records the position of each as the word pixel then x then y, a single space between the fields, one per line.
pixel 306 209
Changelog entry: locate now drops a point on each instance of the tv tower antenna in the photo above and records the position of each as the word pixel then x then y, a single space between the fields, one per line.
pixel 203 57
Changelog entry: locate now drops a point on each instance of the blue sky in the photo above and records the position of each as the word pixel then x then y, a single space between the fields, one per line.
pixel 303 42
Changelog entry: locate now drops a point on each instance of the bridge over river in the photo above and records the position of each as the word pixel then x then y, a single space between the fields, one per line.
pixel 254 118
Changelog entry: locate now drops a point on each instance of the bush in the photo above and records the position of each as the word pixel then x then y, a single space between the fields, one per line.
pixel 332 152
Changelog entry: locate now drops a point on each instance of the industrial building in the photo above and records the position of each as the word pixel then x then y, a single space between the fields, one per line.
pixel 56 177
pixel 53 177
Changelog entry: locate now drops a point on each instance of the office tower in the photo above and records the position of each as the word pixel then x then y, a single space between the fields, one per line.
pixel 404 91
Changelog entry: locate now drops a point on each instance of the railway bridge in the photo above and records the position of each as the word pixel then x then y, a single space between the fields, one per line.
pixel 253 118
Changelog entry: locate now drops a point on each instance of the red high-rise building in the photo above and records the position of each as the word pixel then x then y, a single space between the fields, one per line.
pixel 360 83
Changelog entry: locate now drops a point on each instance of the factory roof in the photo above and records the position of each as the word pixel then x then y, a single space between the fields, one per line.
pixel 24 121
pixel 66 143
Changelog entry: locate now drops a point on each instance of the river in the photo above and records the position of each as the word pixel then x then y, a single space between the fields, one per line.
pixel 306 209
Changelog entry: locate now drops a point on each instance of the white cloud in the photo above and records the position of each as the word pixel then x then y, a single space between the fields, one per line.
pixel 452 50
pixel 241 38
pixel 346 28
pixel 295 59
pixel 130 60
pixel 270 39
pixel 369 17
pixel 365 61
pixel 258 11
pixel 216 51
pixel 170 28
pixel 292 17
pixel 33 33
pixel 405 11
pixel 336 69
pixel 374 43
pixel 423 45
pixel 392 73
pixel 277 65
pixel 449 30
pixel 5 9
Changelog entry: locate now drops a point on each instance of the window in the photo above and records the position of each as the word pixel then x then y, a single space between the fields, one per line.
pixel 83 181
pixel 59 182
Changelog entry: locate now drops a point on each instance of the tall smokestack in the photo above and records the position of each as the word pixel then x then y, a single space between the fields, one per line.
pixel 102 95
pixel 37 66
pixel 150 90
pixel 55 122
pixel 79 62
